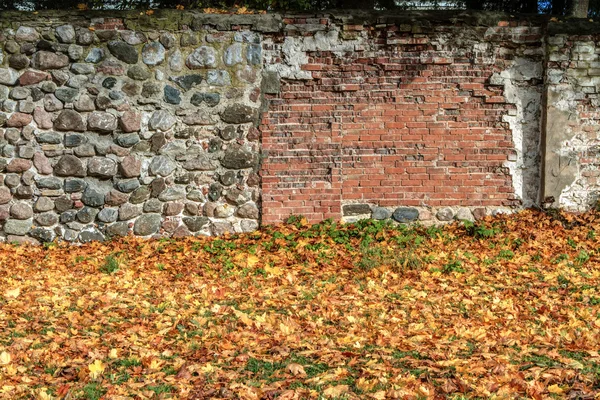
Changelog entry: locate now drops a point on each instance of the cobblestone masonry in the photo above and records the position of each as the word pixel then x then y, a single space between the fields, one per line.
pixel 184 123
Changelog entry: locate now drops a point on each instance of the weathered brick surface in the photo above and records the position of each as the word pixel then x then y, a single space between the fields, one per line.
pixel 391 115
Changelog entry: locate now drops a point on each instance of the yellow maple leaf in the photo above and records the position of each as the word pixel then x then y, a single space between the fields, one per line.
pixel 96 369
pixel 276 271
pixel 113 353
pixel 252 261
pixel 555 389
pixel 12 293
pixel 4 358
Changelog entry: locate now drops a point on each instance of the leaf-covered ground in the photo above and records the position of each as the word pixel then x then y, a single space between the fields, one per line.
pixel 505 308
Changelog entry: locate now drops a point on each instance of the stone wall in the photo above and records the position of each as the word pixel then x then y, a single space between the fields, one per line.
pixel 184 123
pixel 107 130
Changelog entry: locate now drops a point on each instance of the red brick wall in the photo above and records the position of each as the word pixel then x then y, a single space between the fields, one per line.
pixel 408 120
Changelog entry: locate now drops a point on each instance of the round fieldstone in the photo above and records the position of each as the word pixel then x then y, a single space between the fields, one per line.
pixel 5 195
pixel 464 214
pixel 147 224
pixel 83 68
pixel 221 228
pixel 228 178
pixel 202 57
pixel 162 166
pixel 116 198
pixel 129 211
pixel 238 114
pixel 93 197
pixel 21 211
pixel 248 225
pixel 46 219
pixel 161 120
pixel 123 51
pixel 228 133
pixel 168 40
pixel 176 61
pixel 91 235
pixel 17 227
pixel 66 95
pixel 18 165
pixel 26 34
pixel 186 82
pixel 172 194
pixel 139 73
pixel 65 34
pixel 153 206
pixel 87 215
pixel 43 235
pixel 102 122
pixel 172 95
pixel 45 60
pixel 248 210
pixel 218 78
pixel 63 204
pixel 139 195
pixel 381 213
pixel 200 163
pixel 51 182
pixel 130 121
pixel 356 209
pixel 102 167
pixel 43 204
pixel 194 224
pixel 211 99
pixel 69 120
pixel 128 185
pixel 405 214
pixel 118 229
pixel 239 157
pixel 8 76
pixel 69 165
pixel 75 52
pixel 130 167
pixel 95 55
pixel 153 53
pixel 108 215
pixel 128 140
pixel 233 54
pixel 74 185
pixel 445 214
pixel 18 61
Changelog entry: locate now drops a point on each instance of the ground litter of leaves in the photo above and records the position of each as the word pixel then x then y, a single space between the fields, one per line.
pixel 504 308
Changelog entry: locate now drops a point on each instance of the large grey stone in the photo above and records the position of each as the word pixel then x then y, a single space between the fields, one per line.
pixel 66 95
pixel 172 194
pixel 118 229
pixel 147 224
pixel 138 72
pixel 238 114
pixel 102 122
pixel 87 214
pixel 194 224
pixel 46 219
pixel 69 165
pixel 17 227
pixel 50 182
pixel 108 215
pixel 218 77
pixel 26 34
pixel 93 197
pixel 43 235
pixel 239 157
pixel 129 211
pixel 186 82
pixel 83 68
pixel 8 76
pixel 233 54
pixel 162 166
pixel 153 53
pixel 161 120
pixel 172 95
pixel 381 213
pixel 95 55
pixel 176 61
pixel 123 51
pixel 91 235
pixel 21 211
pixel 464 214
pixel 102 167
pixel 445 214
pixel 45 60
pixel 65 34
pixel 43 204
pixel 405 214
pixel 202 57
pixel 69 120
